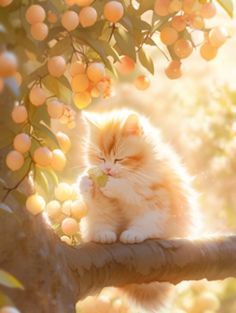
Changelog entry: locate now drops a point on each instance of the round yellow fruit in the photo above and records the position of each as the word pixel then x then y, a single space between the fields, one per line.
pixel 42 156
pixel 55 109
pixel 78 209
pixel 161 7
pixel 19 114
pixel 37 96
pixel 80 83
pixel 83 3
pixel 35 14
pixel 142 82
pixel 63 191
pixel 70 20
pixel 173 70
pixel 8 309
pixel 208 52
pixel 82 99
pixel 39 31
pixel 69 226
pixel 70 2
pixel 58 160
pixel 175 6
pixel 208 10
pixel 65 239
pixel 64 141
pixel 113 11
pixel 207 301
pixel 35 204
pixel 88 16
pixel 168 35
pixel 217 36
pixel 77 68
pixel 56 66
pixel 183 48
pixel 14 160
pixel 95 72
pixel 8 63
pixel 53 209
pixel 126 65
pixel 178 23
pixel 66 207
pixel 22 143
pixel 5 3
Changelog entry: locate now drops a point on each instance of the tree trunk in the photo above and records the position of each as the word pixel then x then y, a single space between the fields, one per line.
pixel 56 275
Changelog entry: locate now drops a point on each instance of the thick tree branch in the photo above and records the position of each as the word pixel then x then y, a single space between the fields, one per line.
pixel 97 266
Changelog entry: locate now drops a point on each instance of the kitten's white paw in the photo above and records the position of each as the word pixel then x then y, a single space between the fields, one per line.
pixel 132 236
pixel 110 190
pixel 104 236
pixel 86 186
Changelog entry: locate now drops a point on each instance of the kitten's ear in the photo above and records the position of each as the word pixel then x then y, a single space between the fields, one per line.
pixel 132 126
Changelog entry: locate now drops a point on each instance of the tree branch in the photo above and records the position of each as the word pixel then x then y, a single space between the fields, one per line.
pixel 97 266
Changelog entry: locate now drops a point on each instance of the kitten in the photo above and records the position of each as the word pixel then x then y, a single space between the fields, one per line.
pixel 148 193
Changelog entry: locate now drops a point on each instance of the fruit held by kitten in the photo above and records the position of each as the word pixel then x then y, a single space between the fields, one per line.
pixel 98 176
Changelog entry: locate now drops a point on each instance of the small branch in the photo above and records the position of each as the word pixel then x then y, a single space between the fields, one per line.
pixel 113 27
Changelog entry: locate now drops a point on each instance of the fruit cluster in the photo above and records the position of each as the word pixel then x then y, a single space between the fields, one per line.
pixel 64 211
pixel 89 82
pixel 184 17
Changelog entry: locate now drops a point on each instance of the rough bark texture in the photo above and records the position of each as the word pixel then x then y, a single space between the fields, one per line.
pixel 55 275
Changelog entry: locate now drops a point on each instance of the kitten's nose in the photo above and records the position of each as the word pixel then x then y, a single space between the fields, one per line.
pixel 108 170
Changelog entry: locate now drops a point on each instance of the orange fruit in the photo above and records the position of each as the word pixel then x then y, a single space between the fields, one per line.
pixel 77 68
pixel 64 141
pixel 55 109
pixel 78 209
pixel 208 10
pixel 53 209
pixel 83 3
pixel 161 7
pixel 39 31
pixel 37 96
pixel 79 83
pixel 58 160
pixel 70 20
pixel 208 52
pixel 175 6
pixel 217 36
pixel 173 70
pixel 22 142
pixel 42 156
pixel 113 11
pixel 35 14
pixel 178 23
pixel 14 160
pixel 168 35
pixel 69 226
pixel 82 99
pixel 63 191
pixel 35 204
pixel 19 114
pixel 5 3
pixel 56 66
pixel 95 71
pixel 183 48
pixel 88 16
pixel 142 82
pixel 126 65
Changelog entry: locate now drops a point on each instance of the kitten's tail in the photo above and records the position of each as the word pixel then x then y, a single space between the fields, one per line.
pixel 150 297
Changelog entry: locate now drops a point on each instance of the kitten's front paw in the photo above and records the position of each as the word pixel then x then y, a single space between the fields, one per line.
pixel 132 236
pixel 110 190
pixel 104 236
pixel 86 186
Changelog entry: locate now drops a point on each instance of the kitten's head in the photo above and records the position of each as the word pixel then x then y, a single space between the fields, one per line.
pixel 117 142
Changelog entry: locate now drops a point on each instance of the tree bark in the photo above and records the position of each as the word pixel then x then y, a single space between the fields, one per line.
pixel 56 275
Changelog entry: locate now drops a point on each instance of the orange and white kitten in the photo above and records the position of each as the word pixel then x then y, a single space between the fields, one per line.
pixel 148 193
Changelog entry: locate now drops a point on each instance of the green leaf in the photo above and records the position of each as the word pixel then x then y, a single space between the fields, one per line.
pixel 60 47
pixel 125 42
pixel 59 87
pixel 145 5
pixel 5 207
pixel 5 300
pixel 51 175
pixel 8 280
pixel 146 61
pixel 45 132
pixel 41 180
pixel 228 6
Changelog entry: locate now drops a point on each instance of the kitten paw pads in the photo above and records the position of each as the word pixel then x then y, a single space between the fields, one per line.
pixel 132 236
pixel 106 236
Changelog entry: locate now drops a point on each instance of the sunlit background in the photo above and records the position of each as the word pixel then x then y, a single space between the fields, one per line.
pixel 197 115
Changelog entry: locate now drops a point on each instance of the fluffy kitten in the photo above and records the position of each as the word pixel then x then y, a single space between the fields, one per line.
pixel 148 193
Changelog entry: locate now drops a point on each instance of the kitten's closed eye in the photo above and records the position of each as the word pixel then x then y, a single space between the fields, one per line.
pixel 102 159
pixel 118 160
